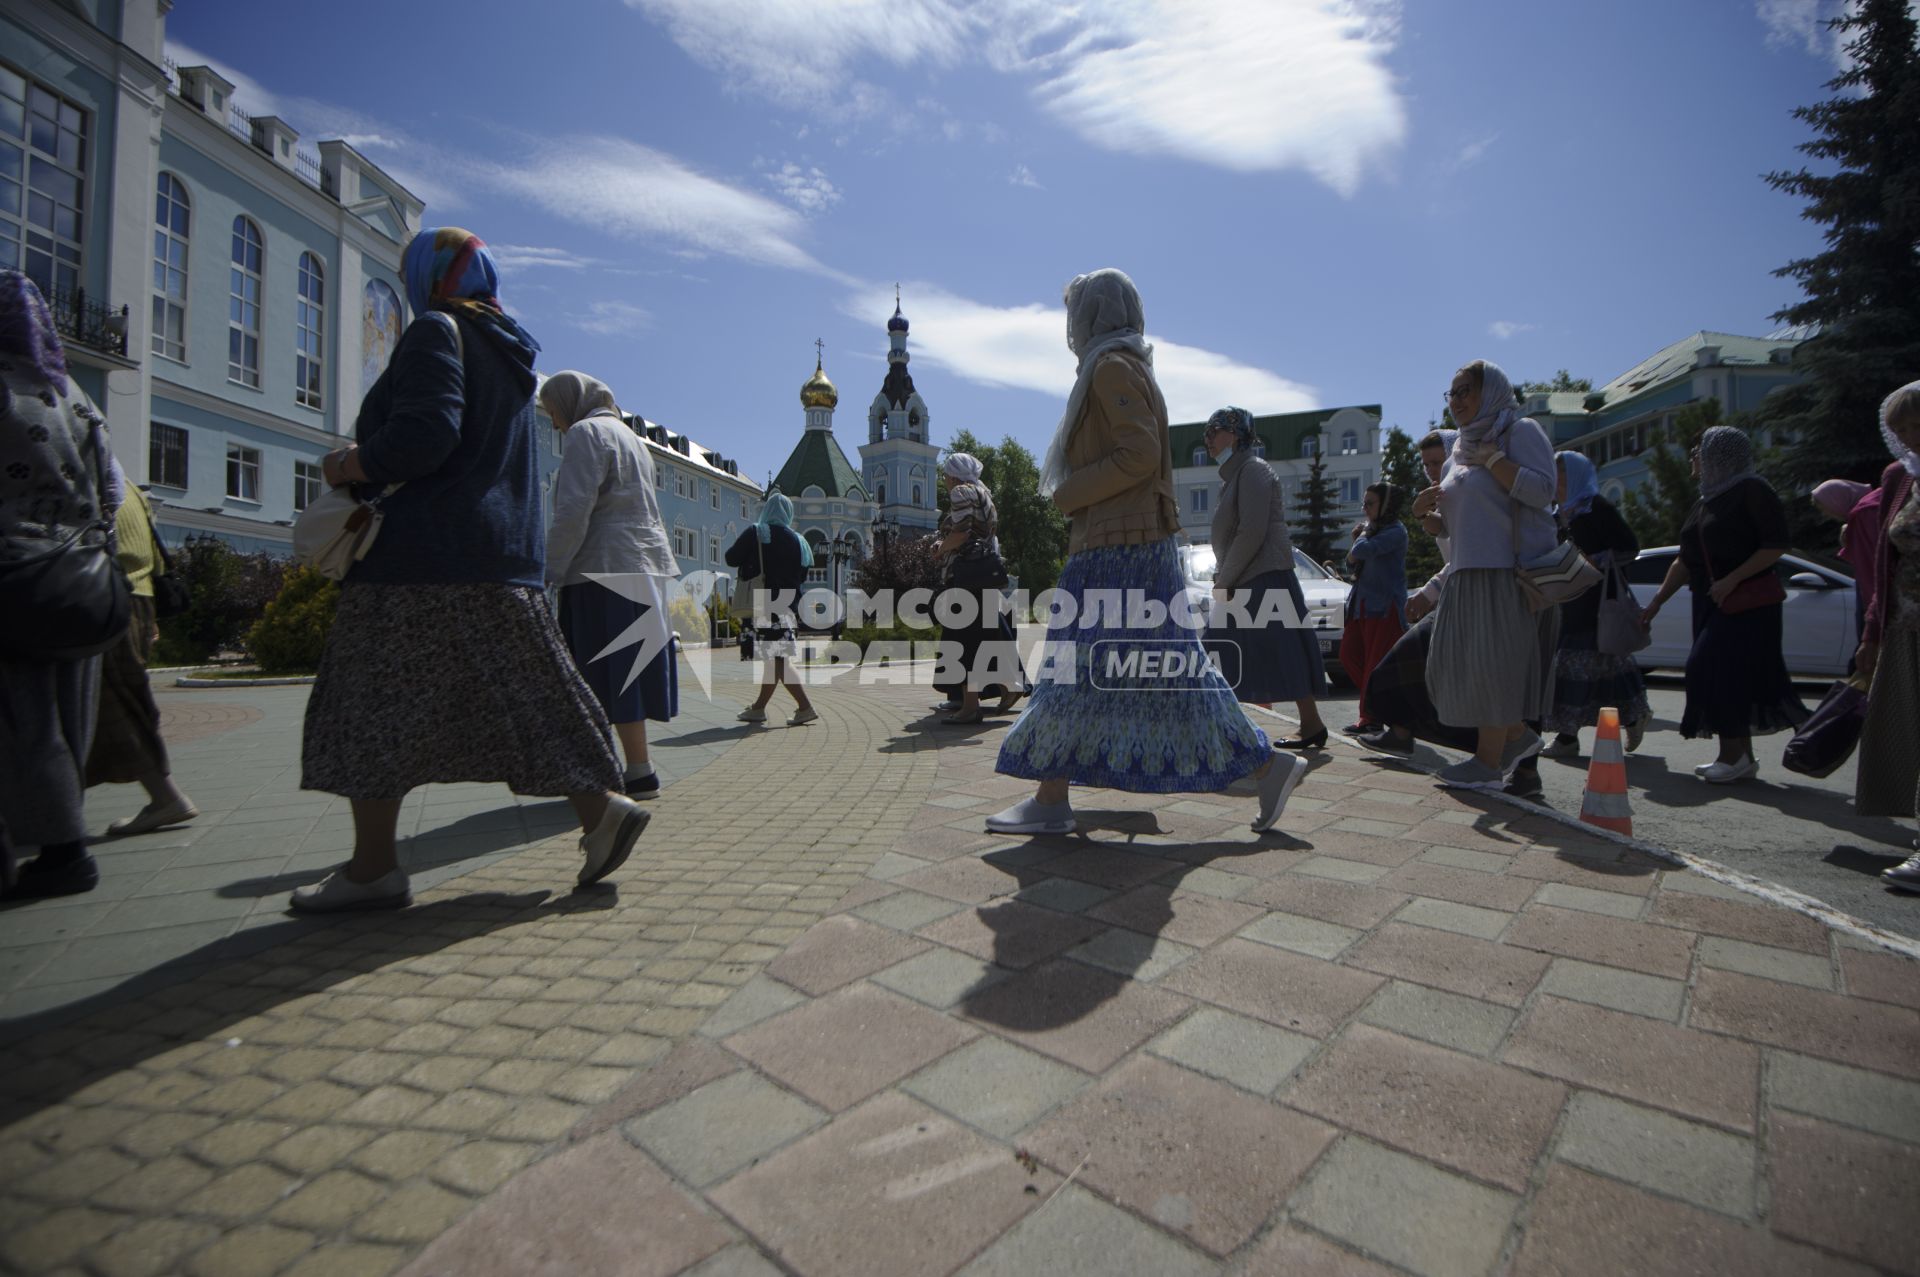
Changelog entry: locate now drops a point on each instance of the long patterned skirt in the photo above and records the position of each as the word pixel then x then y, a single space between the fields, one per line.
pixel 1104 715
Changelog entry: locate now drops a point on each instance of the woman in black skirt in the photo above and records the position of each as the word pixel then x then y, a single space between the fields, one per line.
pixel 1737 684
pixel 1275 661
pixel 988 657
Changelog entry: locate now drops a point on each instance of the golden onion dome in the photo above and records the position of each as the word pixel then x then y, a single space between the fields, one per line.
pixel 819 392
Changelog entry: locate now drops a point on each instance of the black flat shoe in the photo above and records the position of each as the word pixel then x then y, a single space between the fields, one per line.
pixel 1316 741
pixel 40 878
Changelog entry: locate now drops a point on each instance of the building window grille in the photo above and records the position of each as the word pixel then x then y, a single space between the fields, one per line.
pixel 243 304
pixel 167 456
pixel 43 159
pixel 172 220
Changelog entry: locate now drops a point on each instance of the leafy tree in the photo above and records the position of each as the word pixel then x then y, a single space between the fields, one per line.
pixel 227 592
pixel 1313 526
pixel 1033 532
pixel 1400 466
pixel 1562 382
pixel 1863 290
pixel 898 563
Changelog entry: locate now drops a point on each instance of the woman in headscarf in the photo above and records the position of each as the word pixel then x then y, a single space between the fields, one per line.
pixel 1377 604
pixel 1111 712
pixel 1491 667
pixel 777 559
pixel 1888 782
pixel 986 655
pixel 1584 677
pixel 444 664
pixel 1737 684
pixel 606 523
pixel 1856 506
pixel 127 747
pixel 54 454
pixel 1264 651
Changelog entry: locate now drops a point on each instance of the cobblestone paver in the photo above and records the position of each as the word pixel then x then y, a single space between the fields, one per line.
pixel 827 1024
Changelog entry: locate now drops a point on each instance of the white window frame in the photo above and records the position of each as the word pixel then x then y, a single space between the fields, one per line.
pixel 243 473
pixel 172 245
pixel 1349 444
pixel 713 548
pixel 1197 500
pixel 1199 456
pixel 45 252
pixel 156 474
pixel 1351 484
pixel 713 494
pixel 245 295
pixel 310 333
pixel 309 482
pixel 1309 446
pixel 659 475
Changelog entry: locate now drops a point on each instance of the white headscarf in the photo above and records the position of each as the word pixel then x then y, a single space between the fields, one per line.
pixel 1498 411
pixel 570 397
pixel 1907 457
pixel 1103 315
pixel 962 467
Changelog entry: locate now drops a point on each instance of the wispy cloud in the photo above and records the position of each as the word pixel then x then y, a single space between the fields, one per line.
pixel 634 191
pixel 1472 153
pixel 1023 176
pixel 1024 347
pixel 1506 329
pixel 614 319
pixel 523 257
pixel 1310 89
pixel 1803 23
pixel 807 189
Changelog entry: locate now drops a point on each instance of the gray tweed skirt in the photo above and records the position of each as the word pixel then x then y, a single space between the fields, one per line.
pixel 1491 662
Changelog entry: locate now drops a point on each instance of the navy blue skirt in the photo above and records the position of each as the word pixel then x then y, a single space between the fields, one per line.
pixel 593 619
pixel 1272 662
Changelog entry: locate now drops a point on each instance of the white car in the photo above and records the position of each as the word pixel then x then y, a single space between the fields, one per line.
pixel 1325 593
pixel 1818 628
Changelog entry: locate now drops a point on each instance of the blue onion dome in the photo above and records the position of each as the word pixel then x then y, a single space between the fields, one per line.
pixel 898 324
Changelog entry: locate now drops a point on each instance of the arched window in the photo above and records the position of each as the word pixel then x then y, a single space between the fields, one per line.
pixel 1349 443
pixel 243 304
pixel 1199 456
pixel 882 492
pixel 172 218
pixel 1310 445
pixel 310 333
pixel 916 494
pixel 822 558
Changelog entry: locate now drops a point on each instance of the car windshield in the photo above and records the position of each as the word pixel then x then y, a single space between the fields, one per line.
pixel 1307 568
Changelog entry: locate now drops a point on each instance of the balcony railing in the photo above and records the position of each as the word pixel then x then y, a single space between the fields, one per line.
pixel 80 318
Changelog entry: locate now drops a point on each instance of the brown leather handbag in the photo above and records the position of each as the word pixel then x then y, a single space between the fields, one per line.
pixel 1762 589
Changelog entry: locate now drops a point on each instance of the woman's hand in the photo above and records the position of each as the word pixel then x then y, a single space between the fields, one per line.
pixel 1359 531
pixel 1721 589
pixel 1426 503
pixel 1434 525
pixel 1478 454
pixel 1651 610
pixel 1866 659
pixel 333 468
pixel 1418 606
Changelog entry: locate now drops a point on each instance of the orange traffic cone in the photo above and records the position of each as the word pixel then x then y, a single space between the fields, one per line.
pixel 1605 803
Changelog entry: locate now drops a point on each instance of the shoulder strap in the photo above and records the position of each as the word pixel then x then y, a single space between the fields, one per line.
pixel 459 338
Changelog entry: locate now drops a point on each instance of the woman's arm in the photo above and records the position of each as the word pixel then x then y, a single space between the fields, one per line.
pixel 1761 560
pixel 1525 469
pixel 1127 401
pixel 953 541
pixel 1677 577
pixel 1253 494
pixel 422 426
pixel 576 490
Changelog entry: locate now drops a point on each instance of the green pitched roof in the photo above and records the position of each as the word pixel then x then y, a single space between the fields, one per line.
pixel 1281 432
pixel 817 461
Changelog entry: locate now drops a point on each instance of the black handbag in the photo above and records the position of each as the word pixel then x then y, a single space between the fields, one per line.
pixel 65 600
pixel 978 568
pixel 1830 735
pixel 171 595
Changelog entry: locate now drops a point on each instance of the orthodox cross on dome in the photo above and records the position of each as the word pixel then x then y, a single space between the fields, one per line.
pixel 819 352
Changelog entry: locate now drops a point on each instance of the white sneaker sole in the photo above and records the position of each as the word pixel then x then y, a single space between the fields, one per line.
pixel 1261 825
pixel 362 905
pixel 1034 827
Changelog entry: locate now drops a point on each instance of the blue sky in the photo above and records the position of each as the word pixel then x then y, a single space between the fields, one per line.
pixel 1323 202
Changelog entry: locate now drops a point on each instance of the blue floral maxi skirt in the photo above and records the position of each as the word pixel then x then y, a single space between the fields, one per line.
pixel 1136 708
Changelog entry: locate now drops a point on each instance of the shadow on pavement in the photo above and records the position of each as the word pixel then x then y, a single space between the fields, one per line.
pixel 1862 861
pixel 1649 779
pixel 470 837
pixel 202 992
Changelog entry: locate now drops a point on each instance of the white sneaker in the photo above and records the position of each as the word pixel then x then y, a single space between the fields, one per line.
pixel 337 893
pixel 611 841
pixel 1905 875
pixel 1731 773
pixel 752 715
pixel 1702 770
pixel 1282 778
pixel 1561 747
pixel 801 717
pixel 1032 817
pixel 151 817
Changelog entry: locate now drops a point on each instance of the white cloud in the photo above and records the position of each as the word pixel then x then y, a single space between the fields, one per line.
pixel 1472 153
pixel 1023 176
pixel 1025 348
pixel 1505 329
pixel 631 190
pixel 806 189
pixel 1804 23
pixel 1308 89
pixel 514 257
pixel 614 319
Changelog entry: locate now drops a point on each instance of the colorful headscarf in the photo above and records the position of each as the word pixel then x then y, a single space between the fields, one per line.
pixel 1238 420
pixel 1907 457
pixel 1104 314
pixel 1583 485
pixel 28 339
pixel 450 269
pixel 778 513
pixel 1499 409
pixel 571 397
pixel 1726 459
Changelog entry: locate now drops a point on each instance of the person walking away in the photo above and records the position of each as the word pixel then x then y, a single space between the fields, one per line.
pixel 1585 679
pixel 1737 684
pixel 1397 693
pixel 53 483
pixel 1377 603
pixel 1491 666
pixel 127 747
pixel 1888 780
pixel 444 664
pixel 607 550
pixel 1263 657
pixel 778 557
pixel 988 656
pixel 1115 725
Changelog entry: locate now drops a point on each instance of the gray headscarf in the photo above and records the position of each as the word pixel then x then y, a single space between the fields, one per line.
pixel 1726 458
pixel 1103 315
pixel 571 396
pixel 962 467
pixel 1907 457
pixel 1498 411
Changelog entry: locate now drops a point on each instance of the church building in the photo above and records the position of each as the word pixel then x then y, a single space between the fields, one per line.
pixel 832 508
pixel 899 458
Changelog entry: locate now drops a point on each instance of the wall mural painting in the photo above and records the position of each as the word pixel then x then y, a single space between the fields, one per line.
pixel 381 320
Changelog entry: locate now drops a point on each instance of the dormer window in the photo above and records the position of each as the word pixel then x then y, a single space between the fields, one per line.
pixel 1310 446
pixel 1199 456
pixel 1349 443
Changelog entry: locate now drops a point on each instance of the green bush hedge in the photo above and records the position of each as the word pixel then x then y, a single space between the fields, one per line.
pixel 292 634
pixel 227 592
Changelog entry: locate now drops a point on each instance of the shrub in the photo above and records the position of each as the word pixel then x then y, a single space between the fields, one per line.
pixel 289 638
pixel 227 593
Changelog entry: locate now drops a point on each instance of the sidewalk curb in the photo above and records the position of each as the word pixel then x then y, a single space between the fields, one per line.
pixel 1773 893
pixel 296 680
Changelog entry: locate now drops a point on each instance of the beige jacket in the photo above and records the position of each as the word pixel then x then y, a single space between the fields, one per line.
pixel 1250 527
pixel 1119 489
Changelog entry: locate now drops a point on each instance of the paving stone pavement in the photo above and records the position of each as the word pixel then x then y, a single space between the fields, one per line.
pixel 825 1024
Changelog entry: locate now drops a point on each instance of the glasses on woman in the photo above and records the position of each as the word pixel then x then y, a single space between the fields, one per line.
pixel 1458 392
